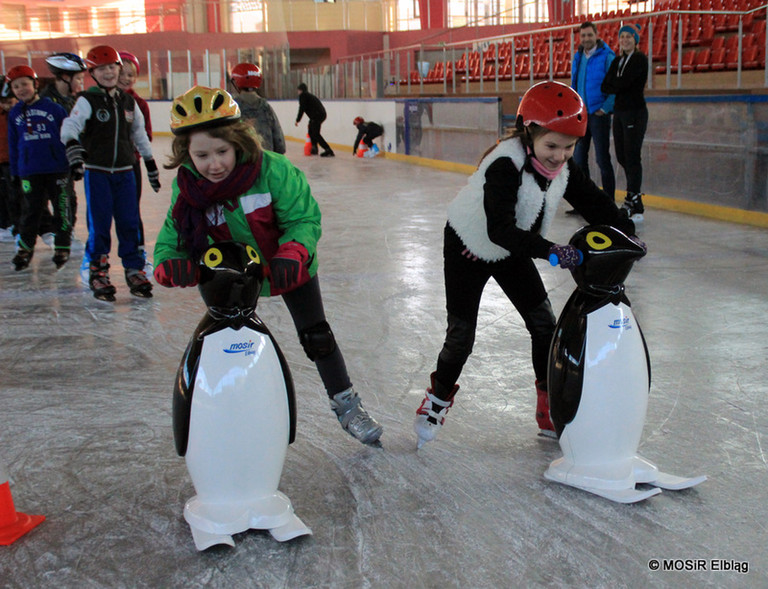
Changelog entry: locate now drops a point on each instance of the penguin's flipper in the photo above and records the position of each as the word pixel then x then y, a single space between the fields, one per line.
pixel 293 528
pixel 675 483
pixel 205 540
pixel 621 495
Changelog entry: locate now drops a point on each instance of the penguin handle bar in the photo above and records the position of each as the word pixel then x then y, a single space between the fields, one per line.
pixel 554 259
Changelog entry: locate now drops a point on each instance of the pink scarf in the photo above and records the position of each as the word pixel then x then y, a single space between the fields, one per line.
pixel 541 168
pixel 197 195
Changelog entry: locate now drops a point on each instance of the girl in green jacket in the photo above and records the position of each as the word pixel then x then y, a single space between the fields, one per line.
pixel 228 189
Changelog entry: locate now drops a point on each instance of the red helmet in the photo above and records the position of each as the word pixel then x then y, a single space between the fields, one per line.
pixel 246 75
pixel 555 107
pixel 102 55
pixel 131 58
pixel 358 120
pixel 20 71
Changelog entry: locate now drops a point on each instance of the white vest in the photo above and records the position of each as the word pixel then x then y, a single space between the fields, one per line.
pixel 466 213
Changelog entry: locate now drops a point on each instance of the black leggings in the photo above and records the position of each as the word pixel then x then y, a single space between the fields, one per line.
pixel 305 304
pixel 465 280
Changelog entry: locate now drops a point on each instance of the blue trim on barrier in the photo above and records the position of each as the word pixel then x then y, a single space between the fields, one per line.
pixel 749 98
pixel 451 100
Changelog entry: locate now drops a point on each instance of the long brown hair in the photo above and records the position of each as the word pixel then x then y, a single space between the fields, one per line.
pixel 526 135
pixel 241 134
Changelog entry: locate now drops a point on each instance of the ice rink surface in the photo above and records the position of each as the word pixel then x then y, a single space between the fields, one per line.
pixel 86 436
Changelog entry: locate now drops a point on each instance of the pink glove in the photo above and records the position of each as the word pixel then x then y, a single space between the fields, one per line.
pixel 288 268
pixel 177 272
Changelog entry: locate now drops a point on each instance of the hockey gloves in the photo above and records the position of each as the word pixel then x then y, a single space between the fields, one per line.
pixel 76 159
pixel 177 272
pixel 566 255
pixel 152 174
pixel 288 268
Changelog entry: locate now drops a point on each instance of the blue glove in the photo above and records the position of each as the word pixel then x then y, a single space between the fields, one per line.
pixel 566 255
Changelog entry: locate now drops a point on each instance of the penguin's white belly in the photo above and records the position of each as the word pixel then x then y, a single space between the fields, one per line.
pixel 609 421
pixel 239 423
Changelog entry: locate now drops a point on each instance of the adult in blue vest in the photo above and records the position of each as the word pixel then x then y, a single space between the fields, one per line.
pixel 590 64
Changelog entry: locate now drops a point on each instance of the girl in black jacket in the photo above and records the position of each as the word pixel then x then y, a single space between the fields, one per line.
pixel 626 78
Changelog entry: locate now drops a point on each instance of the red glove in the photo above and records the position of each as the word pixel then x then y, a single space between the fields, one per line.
pixel 177 272
pixel 288 267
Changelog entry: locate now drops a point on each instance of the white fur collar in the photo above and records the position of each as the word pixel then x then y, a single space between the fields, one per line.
pixel 466 213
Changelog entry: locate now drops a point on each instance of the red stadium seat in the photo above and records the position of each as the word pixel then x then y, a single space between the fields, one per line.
pixel 701 63
pixel 717 59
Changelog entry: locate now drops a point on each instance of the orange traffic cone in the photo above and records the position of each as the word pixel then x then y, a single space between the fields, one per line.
pixel 13 525
pixel 308 146
pixel 361 150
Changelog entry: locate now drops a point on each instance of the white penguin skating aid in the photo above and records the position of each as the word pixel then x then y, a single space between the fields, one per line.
pixel 234 414
pixel 599 378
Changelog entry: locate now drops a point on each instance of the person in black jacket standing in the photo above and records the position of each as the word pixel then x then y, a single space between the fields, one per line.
pixel 626 79
pixel 310 104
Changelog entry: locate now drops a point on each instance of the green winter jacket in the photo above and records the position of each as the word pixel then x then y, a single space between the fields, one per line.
pixel 277 209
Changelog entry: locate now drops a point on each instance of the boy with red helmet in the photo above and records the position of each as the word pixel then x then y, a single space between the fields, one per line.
pixel 496 227
pixel 102 133
pixel 38 161
pixel 246 78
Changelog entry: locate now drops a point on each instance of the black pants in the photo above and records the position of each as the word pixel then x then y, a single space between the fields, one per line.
pixel 628 133
pixel 10 207
pixel 369 137
pixel 314 135
pixel 305 304
pixel 36 192
pixel 465 280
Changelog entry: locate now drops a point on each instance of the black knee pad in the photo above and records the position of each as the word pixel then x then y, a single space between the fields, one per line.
pixel 459 340
pixel 318 341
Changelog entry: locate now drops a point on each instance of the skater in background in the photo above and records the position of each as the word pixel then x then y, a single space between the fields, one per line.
pixel 38 160
pixel 128 75
pixel 69 80
pixel 246 78
pixel 101 134
pixel 626 79
pixel 9 200
pixel 367 132
pixel 228 188
pixel 497 226
pixel 311 105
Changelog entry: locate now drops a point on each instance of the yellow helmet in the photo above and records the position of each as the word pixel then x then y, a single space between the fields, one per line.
pixel 202 107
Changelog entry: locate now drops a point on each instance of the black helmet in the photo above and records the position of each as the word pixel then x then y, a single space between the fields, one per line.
pixel 65 63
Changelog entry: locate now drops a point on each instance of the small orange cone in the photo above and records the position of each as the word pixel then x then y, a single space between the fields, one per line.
pixel 361 150
pixel 308 146
pixel 13 525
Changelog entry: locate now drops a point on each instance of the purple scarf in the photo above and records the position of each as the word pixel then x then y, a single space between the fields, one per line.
pixel 197 195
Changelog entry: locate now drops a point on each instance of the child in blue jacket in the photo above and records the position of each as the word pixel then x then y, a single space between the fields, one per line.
pixel 39 161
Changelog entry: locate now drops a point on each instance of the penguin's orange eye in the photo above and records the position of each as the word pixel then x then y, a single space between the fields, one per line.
pixel 598 241
pixel 253 254
pixel 213 257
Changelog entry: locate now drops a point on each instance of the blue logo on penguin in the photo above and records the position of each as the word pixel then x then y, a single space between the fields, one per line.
pixel 622 323
pixel 241 348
